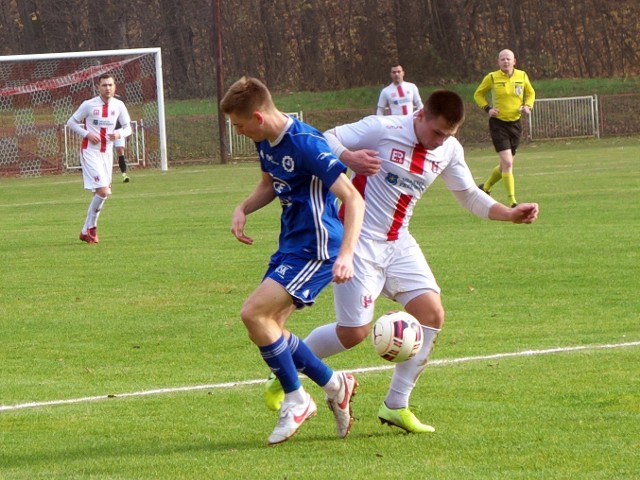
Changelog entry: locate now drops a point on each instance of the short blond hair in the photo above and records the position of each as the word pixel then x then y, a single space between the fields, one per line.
pixel 246 96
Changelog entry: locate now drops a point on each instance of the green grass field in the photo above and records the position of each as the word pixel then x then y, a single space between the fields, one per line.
pixel 535 375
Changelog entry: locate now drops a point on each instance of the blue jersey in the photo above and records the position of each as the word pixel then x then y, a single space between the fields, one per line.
pixel 303 169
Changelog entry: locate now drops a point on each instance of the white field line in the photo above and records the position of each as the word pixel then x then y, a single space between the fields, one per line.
pixel 214 386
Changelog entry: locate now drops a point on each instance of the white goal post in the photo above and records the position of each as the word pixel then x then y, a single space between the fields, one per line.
pixel 39 93
pixel 565 117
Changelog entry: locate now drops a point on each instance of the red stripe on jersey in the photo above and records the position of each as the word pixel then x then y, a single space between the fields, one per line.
pixel 85 140
pixel 418 156
pixel 405 110
pixel 103 131
pixel 360 182
pixel 103 140
pixel 398 216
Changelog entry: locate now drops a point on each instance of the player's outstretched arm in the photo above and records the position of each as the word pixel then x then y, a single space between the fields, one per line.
pixel 521 213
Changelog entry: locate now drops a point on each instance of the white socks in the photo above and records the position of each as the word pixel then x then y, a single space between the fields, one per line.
pixel 97 202
pixel 324 341
pixel 333 385
pixel 406 374
pixel 297 396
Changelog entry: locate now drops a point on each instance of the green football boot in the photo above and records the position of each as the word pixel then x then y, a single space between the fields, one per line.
pixel 273 393
pixel 402 418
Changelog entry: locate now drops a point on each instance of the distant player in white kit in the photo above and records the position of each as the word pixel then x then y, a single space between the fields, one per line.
pixel 120 146
pixel 407 154
pixel 402 98
pixel 96 121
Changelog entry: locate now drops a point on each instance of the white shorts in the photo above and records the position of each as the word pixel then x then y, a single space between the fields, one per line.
pixel 396 269
pixel 97 169
pixel 119 142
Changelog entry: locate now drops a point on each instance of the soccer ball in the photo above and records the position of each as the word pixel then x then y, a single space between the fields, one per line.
pixel 397 336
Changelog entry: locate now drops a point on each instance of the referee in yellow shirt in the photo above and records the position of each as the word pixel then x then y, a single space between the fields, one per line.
pixel 511 95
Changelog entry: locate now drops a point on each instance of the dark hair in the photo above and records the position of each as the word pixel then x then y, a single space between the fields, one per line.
pixel 105 75
pixel 445 104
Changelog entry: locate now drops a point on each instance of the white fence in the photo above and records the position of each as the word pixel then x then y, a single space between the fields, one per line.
pixel 564 118
pixel 134 147
pixel 243 147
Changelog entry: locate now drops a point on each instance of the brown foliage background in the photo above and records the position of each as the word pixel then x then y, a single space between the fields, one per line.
pixel 331 44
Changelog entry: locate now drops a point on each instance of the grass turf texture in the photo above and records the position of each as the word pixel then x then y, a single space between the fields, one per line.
pixel 156 304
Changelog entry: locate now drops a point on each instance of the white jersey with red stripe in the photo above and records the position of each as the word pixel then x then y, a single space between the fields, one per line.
pixel 407 171
pixel 402 99
pixel 100 118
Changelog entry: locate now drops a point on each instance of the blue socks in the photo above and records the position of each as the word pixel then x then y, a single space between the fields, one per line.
pixel 308 363
pixel 286 359
pixel 279 358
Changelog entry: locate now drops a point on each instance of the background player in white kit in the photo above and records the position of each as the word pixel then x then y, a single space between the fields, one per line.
pixel 409 153
pixel 95 121
pixel 402 98
pixel 120 145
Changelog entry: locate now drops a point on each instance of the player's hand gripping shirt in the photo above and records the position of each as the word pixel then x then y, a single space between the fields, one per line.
pixel 407 171
pixel 303 168
pixel 100 118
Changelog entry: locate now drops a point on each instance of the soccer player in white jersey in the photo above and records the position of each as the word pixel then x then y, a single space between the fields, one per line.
pixel 400 97
pixel 314 247
pixel 96 121
pixel 407 153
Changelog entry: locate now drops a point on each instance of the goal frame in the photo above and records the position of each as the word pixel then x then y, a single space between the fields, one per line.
pixel 156 52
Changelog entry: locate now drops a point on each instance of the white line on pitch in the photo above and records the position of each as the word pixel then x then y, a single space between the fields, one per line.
pixel 433 363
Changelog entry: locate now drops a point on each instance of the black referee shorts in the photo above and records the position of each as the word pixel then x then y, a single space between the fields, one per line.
pixel 505 135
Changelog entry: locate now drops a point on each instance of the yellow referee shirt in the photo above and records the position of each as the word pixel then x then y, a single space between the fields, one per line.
pixel 508 93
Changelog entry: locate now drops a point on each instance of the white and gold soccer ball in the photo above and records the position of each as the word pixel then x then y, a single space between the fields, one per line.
pixel 397 336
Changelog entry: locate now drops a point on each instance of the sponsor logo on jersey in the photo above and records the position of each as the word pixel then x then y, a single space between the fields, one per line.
pixel 280 186
pixel 288 164
pixel 397 156
pixel 411 184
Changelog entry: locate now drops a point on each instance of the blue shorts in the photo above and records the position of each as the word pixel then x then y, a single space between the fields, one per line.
pixel 303 278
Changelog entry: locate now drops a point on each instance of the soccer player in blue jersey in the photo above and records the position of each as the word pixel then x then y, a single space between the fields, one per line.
pixel 314 248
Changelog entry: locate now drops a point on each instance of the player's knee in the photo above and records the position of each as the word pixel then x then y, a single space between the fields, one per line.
pixel 250 317
pixel 430 315
pixel 351 336
pixel 437 317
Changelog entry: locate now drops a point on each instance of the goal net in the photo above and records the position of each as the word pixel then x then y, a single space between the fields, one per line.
pixel 39 93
